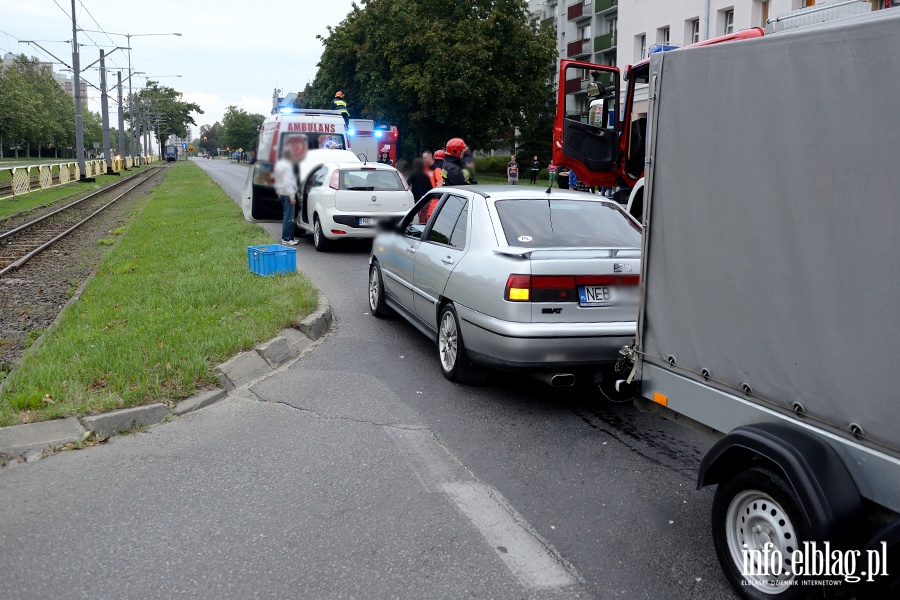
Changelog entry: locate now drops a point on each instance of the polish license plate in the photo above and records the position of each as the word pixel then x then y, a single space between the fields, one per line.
pixel 596 295
pixel 366 221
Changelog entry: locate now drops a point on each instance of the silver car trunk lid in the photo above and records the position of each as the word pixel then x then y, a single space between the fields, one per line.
pixel 584 285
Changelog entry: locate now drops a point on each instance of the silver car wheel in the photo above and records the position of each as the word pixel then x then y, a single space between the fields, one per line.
pixel 374 289
pixel 754 519
pixel 448 342
pixel 317 233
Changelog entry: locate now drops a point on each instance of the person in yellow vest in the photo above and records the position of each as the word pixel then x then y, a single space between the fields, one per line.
pixel 339 104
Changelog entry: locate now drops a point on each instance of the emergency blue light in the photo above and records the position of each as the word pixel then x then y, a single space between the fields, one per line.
pixel 351 132
pixel 286 110
pixel 378 133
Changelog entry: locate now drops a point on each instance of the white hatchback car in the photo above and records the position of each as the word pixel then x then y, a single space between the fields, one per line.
pixel 347 199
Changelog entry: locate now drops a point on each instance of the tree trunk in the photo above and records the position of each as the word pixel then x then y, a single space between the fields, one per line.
pixel 1 146
pixel 28 149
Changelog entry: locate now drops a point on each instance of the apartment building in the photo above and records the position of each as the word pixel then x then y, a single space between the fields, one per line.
pixel 66 82
pixel 623 32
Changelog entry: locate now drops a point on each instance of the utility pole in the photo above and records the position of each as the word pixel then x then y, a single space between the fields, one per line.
pixel 121 122
pixel 79 122
pixel 104 111
pixel 130 101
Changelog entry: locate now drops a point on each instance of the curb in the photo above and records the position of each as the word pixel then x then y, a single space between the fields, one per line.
pixel 31 441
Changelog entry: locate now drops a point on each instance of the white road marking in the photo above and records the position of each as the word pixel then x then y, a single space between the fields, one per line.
pixel 531 560
pixel 535 565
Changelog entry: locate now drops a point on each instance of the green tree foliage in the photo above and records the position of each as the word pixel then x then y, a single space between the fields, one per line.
pixel 240 129
pixel 438 70
pixel 165 104
pixel 214 136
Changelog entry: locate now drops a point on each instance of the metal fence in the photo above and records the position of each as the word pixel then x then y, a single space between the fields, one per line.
pixel 18 180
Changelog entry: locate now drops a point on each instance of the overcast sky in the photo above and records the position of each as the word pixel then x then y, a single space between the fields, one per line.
pixel 230 52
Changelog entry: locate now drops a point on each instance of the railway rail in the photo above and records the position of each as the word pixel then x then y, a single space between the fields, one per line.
pixel 19 245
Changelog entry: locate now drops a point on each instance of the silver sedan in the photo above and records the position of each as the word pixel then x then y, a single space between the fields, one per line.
pixel 512 278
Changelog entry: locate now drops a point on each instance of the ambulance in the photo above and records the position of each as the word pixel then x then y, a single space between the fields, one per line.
pixel 289 128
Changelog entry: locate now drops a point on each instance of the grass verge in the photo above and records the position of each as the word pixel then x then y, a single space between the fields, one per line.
pixel 501 180
pixel 171 299
pixel 16 204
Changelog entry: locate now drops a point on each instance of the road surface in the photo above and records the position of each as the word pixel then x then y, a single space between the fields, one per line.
pixel 360 472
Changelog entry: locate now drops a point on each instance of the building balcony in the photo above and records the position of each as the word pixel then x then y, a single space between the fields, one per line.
pixel 579 10
pixel 578 48
pixel 576 86
pixel 601 6
pixel 605 42
pixel 548 22
pixel 607 79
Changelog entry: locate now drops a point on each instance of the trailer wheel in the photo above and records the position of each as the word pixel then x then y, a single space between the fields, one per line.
pixel 755 508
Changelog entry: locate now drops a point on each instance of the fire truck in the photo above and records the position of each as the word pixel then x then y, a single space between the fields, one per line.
pixel 368 140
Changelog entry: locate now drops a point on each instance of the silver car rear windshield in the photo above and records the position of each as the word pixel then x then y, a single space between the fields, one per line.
pixel 370 180
pixel 567 224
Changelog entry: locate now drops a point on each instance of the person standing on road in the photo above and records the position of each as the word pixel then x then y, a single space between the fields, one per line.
pixel 512 171
pixel 535 169
pixel 452 169
pixel 286 188
pixel 420 180
pixel 340 104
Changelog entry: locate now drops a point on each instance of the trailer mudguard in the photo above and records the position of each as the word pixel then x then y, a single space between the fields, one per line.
pixel 828 496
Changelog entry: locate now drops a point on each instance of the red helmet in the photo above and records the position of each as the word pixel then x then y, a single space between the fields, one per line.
pixel 439 155
pixel 339 94
pixel 456 147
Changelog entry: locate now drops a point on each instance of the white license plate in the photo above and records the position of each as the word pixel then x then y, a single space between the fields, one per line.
pixel 596 295
pixel 364 221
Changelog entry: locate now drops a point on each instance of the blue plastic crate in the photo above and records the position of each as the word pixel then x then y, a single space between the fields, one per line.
pixel 271 259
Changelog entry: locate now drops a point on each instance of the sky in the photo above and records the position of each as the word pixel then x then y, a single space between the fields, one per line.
pixel 230 52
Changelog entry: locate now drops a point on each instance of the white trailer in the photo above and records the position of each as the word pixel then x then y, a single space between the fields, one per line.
pixel 770 314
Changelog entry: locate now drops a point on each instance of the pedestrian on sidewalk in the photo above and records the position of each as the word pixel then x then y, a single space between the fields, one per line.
pixel 535 169
pixel 286 188
pixel 512 171
pixel 551 169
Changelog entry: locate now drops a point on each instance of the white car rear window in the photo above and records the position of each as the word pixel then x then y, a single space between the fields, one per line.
pixel 370 180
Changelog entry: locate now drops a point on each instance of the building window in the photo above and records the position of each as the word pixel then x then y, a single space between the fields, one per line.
pixel 612 25
pixel 663 36
pixel 729 22
pixel 584 33
pixel 640 47
pixel 692 31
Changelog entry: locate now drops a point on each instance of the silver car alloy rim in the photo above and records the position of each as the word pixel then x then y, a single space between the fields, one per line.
pixel 753 520
pixel 373 289
pixel 317 231
pixel 448 340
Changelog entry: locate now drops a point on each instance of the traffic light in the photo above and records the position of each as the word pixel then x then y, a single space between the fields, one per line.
pixel 204 138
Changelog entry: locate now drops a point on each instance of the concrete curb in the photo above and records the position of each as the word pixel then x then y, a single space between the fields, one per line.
pixel 31 441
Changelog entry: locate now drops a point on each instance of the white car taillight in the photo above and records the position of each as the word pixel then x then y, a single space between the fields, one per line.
pixel 335 180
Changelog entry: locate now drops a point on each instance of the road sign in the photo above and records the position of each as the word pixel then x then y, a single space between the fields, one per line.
pixel 190 148
pixel 184 146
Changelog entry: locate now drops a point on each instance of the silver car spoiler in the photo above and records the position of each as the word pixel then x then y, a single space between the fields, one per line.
pixel 569 252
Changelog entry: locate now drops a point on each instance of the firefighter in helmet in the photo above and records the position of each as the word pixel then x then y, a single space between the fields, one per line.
pixel 454 173
pixel 340 104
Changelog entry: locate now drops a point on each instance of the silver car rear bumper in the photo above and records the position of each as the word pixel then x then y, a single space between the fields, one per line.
pixel 505 344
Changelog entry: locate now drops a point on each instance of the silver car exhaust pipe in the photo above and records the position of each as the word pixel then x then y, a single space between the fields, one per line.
pixel 556 379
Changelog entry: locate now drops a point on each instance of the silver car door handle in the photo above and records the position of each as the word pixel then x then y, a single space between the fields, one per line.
pixel 447 261
pixel 410 249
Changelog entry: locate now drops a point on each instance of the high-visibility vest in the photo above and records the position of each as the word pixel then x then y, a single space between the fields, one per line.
pixel 437 177
pixel 340 105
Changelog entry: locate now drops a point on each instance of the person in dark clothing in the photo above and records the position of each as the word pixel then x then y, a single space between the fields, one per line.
pixel 340 104
pixel 468 165
pixel 385 157
pixel 562 178
pixel 419 181
pixel 535 169
pixel 452 167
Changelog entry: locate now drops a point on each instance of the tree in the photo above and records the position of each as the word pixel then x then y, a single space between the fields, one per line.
pixel 212 136
pixel 438 70
pixel 18 106
pixel 240 129
pixel 166 104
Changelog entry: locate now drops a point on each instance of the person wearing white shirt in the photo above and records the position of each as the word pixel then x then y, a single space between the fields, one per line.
pixel 286 188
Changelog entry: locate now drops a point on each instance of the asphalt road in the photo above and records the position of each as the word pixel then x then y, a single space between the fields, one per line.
pixel 359 472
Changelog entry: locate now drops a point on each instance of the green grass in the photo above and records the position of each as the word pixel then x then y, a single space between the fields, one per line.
pixel 15 204
pixel 170 300
pixel 34 160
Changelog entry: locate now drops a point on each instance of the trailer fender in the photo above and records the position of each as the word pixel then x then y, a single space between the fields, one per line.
pixel 828 496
